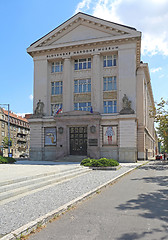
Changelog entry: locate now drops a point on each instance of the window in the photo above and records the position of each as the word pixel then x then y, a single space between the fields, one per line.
pixel 3 125
pixel 109 61
pixel 56 88
pixel 82 64
pixel 109 83
pixel 110 106
pixel 55 107
pixel 3 134
pixel 81 86
pixel 57 67
pixel 83 106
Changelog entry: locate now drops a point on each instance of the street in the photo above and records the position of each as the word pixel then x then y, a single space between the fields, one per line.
pixel 135 207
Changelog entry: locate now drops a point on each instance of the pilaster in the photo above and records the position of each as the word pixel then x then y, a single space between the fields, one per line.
pixel 97 85
pixel 67 86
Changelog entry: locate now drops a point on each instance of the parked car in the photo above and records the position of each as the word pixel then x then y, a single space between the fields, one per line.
pixel 23 155
pixel 158 157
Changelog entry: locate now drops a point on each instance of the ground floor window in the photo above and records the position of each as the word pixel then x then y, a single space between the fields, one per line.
pixel 82 106
pixel 110 106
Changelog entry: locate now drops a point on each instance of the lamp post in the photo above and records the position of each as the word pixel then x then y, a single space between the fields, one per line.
pixel 9 142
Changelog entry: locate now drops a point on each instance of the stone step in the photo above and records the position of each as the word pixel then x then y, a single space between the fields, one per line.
pixel 16 189
pixel 73 158
pixel 31 177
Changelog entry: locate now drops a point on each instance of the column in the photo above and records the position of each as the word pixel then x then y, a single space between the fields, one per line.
pixel 67 86
pixel 96 81
pixel 41 83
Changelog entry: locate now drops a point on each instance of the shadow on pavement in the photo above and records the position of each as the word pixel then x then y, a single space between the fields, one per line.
pixel 153 205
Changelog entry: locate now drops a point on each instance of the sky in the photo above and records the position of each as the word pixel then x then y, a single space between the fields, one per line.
pixel 23 22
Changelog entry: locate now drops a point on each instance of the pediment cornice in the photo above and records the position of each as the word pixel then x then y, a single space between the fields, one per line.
pixel 115 31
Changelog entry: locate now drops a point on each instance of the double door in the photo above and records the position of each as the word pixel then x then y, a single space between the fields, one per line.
pixel 78 140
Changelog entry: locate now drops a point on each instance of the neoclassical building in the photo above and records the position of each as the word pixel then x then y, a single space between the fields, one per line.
pixel 92 93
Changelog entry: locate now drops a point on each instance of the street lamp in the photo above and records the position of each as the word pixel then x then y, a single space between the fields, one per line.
pixel 9 142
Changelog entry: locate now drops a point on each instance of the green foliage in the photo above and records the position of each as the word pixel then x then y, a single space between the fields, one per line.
pixel 102 162
pixel 160 114
pixel 7 160
pixel 6 142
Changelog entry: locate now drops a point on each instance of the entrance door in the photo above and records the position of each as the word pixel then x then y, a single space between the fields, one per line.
pixel 78 140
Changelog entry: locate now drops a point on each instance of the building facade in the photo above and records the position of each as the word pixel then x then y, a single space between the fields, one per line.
pixel 92 93
pixel 19 134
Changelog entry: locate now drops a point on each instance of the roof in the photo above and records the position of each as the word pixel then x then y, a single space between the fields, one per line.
pixel 84 14
pixel 11 114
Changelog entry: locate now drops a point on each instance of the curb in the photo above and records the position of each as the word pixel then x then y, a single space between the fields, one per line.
pixel 27 228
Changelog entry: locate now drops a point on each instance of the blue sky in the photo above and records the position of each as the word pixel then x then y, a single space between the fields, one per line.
pixel 25 21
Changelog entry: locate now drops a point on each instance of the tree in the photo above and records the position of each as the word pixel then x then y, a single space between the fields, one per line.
pixel 6 142
pixel 160 114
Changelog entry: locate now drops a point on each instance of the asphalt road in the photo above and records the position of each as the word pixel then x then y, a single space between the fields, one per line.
pixel 133 208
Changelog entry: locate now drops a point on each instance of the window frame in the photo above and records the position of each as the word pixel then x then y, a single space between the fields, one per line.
pixel 110 60
pixel 110 108
pixel 56 66
pixel 82 85
pixel 82 64
pixel 56 88
pixel 110 83
pixel 86 106
pixel 55 107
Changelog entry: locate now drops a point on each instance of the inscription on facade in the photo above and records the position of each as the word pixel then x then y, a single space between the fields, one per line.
pixel 93 142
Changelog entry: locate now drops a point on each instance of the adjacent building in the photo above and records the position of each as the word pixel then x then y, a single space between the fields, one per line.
pixel 19 134
pixel 92 93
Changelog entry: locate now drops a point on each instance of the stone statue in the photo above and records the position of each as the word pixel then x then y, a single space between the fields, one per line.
pixel 126 104
pixel 39 108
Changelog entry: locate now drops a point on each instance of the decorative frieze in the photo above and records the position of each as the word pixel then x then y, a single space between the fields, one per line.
pixel 82 97
pixel 56 99
pixel 110 95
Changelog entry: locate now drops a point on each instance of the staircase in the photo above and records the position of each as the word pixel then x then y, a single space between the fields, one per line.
pixel 16 188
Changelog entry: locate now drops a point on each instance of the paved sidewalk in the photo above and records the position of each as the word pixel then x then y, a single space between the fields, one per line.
pixel 135 208
pixel 26 212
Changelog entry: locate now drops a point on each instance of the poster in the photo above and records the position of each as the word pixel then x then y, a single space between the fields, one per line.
pixel 110 135
pixel 50 136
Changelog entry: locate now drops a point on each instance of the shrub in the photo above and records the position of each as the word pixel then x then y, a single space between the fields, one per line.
pixel 102 162
pixel 3 160
pixel 6 160
pixel 10 160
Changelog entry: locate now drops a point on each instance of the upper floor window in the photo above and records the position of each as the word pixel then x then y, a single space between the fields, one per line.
pixel 3 125
pixel 109 61
pixel 82 86
pixel 55 107
pixel 84 63
pixel 57 67
pixel 82 106
pixel 3 134
pixel 56 88
pixel 110 106
pixel 109 83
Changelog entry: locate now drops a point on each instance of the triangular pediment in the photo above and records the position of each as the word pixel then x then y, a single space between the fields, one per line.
pixel 80 33
pixel 83 28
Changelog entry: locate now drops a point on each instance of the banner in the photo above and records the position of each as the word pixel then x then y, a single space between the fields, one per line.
pixel 50 136
pixel 110 135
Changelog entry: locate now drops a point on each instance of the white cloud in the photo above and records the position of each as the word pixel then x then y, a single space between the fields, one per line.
pixel 31 97
pixel 150 17
pixel 162 76
pixel 153 70
pixel 85 4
